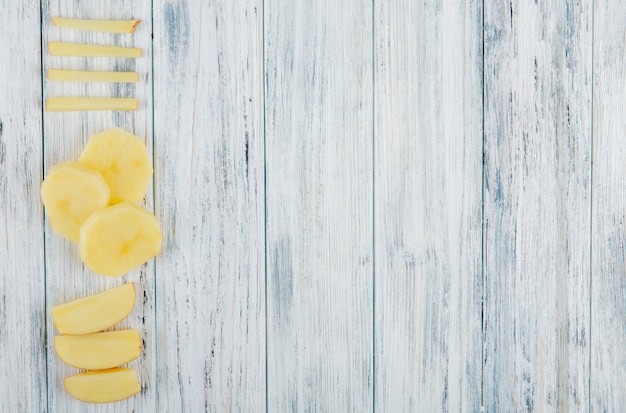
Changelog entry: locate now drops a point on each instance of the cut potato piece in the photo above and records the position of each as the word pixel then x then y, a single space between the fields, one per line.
pixel 118 238
pixel 96 312
pixel 123 161
pixel 103 386
pixel 103 26
pixel 83 104
pixel 91 76
pixel 99 351
pixel 92 50
pixel 70 193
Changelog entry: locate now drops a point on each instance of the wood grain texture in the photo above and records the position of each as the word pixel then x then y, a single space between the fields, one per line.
pixel 388 135
pixel 23 384
pixel 210 199
pixel 318 95
pixel 65 135
pixel 608 293
pixel 428 177
pixel 537 79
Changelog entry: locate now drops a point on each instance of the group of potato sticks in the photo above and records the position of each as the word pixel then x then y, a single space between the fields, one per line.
pixel 66 104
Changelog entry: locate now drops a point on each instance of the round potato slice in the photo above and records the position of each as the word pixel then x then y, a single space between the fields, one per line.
pixel 70 193
pixel 118 238
pixel 123 161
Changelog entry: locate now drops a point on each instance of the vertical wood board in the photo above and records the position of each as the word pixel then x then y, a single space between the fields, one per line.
pixel 608 298
pixel 65 136
pixel 537 75
pixel 318 94
pixel 428 152
pixel 23 385
pixel 210 199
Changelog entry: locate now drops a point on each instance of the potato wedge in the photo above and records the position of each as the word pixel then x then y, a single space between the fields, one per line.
pixel 91 76
pixel 103 26
pixel 90 104
pixel 103 386
pixel 96 312
pixel 92 50
pixel 99 351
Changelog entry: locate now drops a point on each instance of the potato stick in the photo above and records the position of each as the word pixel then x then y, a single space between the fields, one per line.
pixel 91 50
pixel 88 76
pixel 82 104
pixel 104 26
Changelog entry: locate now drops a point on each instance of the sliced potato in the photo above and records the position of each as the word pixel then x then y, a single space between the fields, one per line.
pixel 92 50
pixel 84 104
pixel 70 193
pixel 104 26
pixel 118 238
pixel 123 161
pixel 103 386
pixel 96 312
pixel 99 351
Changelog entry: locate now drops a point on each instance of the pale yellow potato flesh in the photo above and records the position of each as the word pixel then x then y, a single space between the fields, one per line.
pixel 123 161
pixel 91 76
pixel 103 386
pixel 70 193
pixel 90 104
pixel 96 312
pixel 92 50
pixel 116 239
pixel 98 351
pixel 103 26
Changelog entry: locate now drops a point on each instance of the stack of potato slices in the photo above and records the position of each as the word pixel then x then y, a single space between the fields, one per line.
pixel 65 104
pixel 84 345
pixel 92 202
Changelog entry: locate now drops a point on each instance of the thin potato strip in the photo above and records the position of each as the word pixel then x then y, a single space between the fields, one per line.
pixel 84 104
pixel 91 50
pixel 90 76
pixel 104 26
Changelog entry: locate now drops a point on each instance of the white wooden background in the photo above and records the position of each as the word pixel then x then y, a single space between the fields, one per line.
pixel 392 206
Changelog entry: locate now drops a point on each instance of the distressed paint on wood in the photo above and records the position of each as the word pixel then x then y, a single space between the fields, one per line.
pixel 210 200
pixel 65 135
pixel 428 177
pixel 608 293
pixel 23 384
pixel 318 93
pixel 211 349
pixel 537 75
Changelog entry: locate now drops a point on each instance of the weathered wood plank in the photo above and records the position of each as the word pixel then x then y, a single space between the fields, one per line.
pixel 23 384
pixel 318 68
pixel 537 205
pixel 210 199
pixel 65 135
pixel 608 297
pixel 428 178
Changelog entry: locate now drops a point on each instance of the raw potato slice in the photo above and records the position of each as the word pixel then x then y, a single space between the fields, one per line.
pixel 103 386
pixel 96 312
pixel 83 104
pixel 103 26
pixel 99 351
pixel 91 76
pixel 70 193
pixel 118 238
pixel 91 50
pixel 123 161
